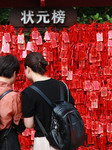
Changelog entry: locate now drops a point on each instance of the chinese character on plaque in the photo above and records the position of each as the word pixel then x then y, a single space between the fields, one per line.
pixel 43 16
pixel 58 16
pixel 27 17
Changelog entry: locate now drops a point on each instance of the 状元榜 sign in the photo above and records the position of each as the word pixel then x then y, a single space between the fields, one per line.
pixel 42 17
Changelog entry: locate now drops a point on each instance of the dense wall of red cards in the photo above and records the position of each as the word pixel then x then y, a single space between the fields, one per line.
pixel 82 58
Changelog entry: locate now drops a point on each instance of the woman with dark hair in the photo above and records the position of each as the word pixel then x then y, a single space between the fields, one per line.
pixel 10 104
pixel 33 104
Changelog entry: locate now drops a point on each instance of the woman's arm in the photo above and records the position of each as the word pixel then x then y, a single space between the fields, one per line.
pixel 29 122
pixel 28 107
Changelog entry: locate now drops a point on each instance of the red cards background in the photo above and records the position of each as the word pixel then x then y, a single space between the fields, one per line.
pixel 81 56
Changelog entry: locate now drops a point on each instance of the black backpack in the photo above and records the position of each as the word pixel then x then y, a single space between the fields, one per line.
pixel 67 128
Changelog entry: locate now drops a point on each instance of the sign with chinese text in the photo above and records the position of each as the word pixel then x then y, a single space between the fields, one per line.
pixel 43 17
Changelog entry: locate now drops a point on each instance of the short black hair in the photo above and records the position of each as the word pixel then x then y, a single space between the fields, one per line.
pixel 8 65
pixel 36 62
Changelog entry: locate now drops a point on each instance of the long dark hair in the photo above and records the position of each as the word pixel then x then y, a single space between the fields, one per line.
pixel 36 62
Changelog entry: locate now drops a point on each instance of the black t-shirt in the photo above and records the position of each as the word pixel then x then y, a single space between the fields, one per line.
pixel 34 104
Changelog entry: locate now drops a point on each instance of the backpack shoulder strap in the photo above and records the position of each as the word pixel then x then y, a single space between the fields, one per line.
pixel 62 91
pixel 42 94
pixel 35 88
pixel 5 93
pixel 45 97
pixel 41 126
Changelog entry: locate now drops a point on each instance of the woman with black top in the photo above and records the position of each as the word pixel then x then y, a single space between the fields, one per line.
pixel 33 104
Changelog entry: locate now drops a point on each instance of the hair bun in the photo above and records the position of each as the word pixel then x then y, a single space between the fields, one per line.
pixel 44 62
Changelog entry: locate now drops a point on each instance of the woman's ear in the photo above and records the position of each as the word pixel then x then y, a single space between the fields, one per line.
pixel 15 74
pixel 13 78
pixel 28 72
pixel 28 69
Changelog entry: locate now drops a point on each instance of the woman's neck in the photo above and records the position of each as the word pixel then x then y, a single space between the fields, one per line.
pixel 3 79
pixel 38 77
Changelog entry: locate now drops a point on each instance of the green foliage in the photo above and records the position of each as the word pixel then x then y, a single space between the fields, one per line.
pixel 4 16
pixel 90 14
pixel 27 36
